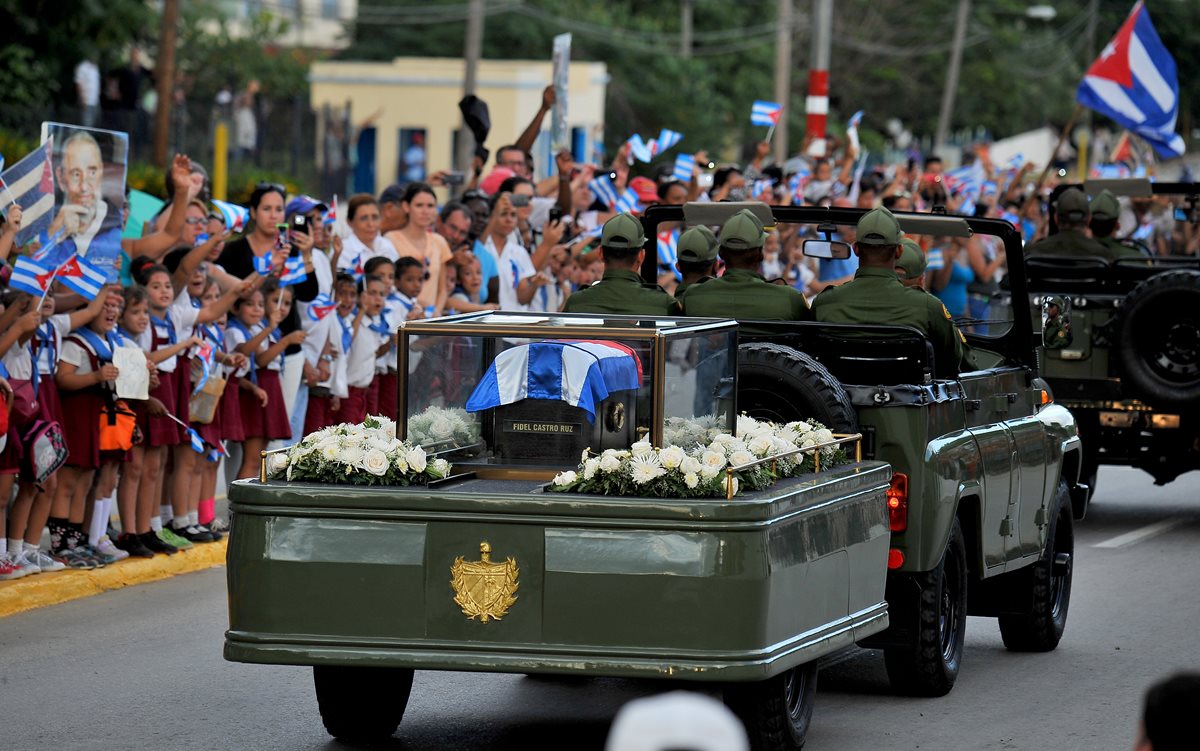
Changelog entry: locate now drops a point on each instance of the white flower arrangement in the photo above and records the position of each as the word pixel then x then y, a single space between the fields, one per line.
pixel 365 454
pixel 700 471
pixel 443 428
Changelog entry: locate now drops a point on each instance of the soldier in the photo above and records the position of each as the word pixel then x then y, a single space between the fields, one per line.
pixel 1104 224
pixel 621 290
pixel 743 293
pixel 876 296
pixel 697 258
pixel 911 265
pixel 1056 331
pixel 1072 214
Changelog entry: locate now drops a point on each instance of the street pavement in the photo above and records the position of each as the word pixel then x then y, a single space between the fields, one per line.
pixel 141 668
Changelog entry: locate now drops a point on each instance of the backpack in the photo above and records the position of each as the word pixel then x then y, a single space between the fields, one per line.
pixel 45 450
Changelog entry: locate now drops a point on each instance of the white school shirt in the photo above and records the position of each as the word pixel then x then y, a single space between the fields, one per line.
pixel 78 356
pixel 18 361
pixel 319 332
pixel 54 329
pixel 323 270
pixel 360 363
pixel 353 248
pixel 514 265
pixel 235 337
pixel 397 309
pixel 183 316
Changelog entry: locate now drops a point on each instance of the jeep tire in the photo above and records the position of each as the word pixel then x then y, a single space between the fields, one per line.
pixel 781 384
pixel 1159 339
pixel 777 712
pixel 361 704
pixel 929 665
pixel 1042 628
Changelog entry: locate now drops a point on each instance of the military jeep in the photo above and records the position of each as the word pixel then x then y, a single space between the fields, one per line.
pixel 985 463
pixel 1120 341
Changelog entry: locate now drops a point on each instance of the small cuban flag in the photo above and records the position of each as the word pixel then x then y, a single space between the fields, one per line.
pixel 30 276
pixel 50 252
pixel 579 373
pixel 216 452
pixel 198 444
pixel 320 307
pixel 602 187
pixel 667 139
pixel 668 252
pixel 628 201
pixel 765 113
pixel 235 216
pixel 205 353
pixel 684 165
pixel 760 187
pixel 82 277
pixel 262 264
pixel 331 215
pixel 293 272
pixel 639 149
pixel 852 130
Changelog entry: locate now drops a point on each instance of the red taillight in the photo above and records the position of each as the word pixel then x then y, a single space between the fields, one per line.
pixel 895 558
pixel 897 502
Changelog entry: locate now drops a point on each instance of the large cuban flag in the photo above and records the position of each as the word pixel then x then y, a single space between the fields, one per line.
pixel 580 373
pixel 1134 83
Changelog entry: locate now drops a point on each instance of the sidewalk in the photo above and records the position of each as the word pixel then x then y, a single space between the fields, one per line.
pixel 43 590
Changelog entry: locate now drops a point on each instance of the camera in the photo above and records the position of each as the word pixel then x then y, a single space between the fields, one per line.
pixel 454 177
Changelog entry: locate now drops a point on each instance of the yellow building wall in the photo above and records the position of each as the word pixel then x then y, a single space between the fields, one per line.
pixel 423 93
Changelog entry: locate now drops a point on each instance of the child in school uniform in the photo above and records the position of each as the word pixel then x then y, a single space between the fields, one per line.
pixel 254 332
pixel 325 349
pixel 370 339
pixel 382 398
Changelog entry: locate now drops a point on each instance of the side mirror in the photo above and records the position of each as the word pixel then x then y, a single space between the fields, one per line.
pixel 828 249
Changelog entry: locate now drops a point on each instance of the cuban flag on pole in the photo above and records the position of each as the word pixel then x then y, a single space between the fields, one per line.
pixel 235 216
pixel 331 215
pixel 293 272
pixel 668 252
pixel 628 201
pixel 765 113
pixel 852 130
pixel 667 139
pixel 1135 84
pixel 79 275
pixel 320 307
pixel 30 184
pixel 602 187
pixel 262 264
pixel 30 276
pixel 684 164
pixel 579 373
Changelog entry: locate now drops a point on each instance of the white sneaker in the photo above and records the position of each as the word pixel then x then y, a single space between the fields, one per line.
pixel 106 546
pixel 45 562
pixel 10 569
pixel 28 563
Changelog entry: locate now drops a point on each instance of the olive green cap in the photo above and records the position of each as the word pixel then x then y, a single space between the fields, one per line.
pixel 743 231
pixel 623 231
pixel 879 227
pixel 697 245
pixel 1105 206
pixel 911 263
pixel 1072 201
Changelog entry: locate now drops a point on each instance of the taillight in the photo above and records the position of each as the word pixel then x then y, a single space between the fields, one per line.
pixel 895 558
pixel 897 502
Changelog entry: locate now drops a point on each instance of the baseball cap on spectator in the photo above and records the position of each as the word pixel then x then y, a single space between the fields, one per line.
pixel 697 245
pixel 303 205
pixel 1105 206
pixel 911 263
pixel 623 231
pixel 878 227
pixel 647 191
pixel 492 182
pixel 678 720
pixel 393 193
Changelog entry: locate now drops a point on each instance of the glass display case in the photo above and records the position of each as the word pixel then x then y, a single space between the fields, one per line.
pixel 532 391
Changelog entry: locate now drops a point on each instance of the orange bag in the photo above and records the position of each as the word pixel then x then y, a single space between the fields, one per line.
pixel 117 424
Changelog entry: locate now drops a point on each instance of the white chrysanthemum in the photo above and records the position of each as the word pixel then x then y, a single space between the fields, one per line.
pixel 800 427
pixel 714 459
pixel 824 435
pixel 583 457
pixel 416 459
pixel 351 454
pixel 671 457
pixel 565 478
pixel 690 464
pixel 439 468
pixel 740 457
pixel 609 462
pixel 330 452
pixel 746 424
pixel 645 468
pixel 441 428
pixel 641 448
pixel 400 463
pixel 761 445
pixel 787 434
pixel 590 467
pixel 376 462
pixel 691 479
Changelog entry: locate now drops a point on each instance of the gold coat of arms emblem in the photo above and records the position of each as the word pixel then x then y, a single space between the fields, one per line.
pixel 484 589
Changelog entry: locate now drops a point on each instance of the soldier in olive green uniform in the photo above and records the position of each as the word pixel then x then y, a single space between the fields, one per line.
pixel 911 265
pixel 697 251
pixel 742 293
pixel 1056 331
pixel 1104 223
pixel 876 296
pixel 1072 212
pixel 621 290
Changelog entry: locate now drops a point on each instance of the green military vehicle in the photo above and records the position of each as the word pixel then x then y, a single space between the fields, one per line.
pixel 1121 339
pixel 957 498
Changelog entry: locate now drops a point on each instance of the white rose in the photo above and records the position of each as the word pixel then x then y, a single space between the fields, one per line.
pixel 609 463
pixel 439 467
pixel 277 463
pixel 800 427
pixel 590 467
pixel 565 478
pixel 376 462
pixel 691 479
pixel 713 459
pixel 723 439
pixel 708 472
pixel 740 457
pixel 824 435
pixel 641 448
pixel 690 464
pixel 761 445
pixel 734 480
pixel 416 459
pixel 441 428
pixel 584 456
pixel 671 457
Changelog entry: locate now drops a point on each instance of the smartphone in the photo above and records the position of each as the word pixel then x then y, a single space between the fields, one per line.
pixel 281 235
pixel 300 223
pixel 1181 215
pixel 454 177
pixel 556 213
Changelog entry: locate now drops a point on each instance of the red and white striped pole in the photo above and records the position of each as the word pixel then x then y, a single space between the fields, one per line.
pixel 816 105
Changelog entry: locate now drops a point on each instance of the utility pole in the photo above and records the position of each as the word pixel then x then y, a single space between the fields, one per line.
pixel 816 106
pixel 472 51
pixel 686 9
pixel 951 90
pixel 165 73
pixel 783 76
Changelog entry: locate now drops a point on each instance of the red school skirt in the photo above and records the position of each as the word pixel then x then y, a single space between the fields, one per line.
pixel 270 422
pixel 320 414
pixel 387 383
pixel 231 411
pixel 82 431
pixel 354 406
pixel 49 401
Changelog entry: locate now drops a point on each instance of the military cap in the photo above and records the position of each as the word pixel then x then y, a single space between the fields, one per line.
pixel 1072 204
pixel 697 245
pixel 743 231
pixel 1105 206
pixel 879 227
pixel 912 260
pixel 623 231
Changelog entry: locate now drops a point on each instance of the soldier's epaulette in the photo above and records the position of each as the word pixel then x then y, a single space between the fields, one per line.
pixel 780 281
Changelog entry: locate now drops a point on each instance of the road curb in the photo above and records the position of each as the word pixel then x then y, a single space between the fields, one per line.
pixel 44 590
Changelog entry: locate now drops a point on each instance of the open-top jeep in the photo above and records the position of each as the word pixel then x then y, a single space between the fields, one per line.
pixel 1124 349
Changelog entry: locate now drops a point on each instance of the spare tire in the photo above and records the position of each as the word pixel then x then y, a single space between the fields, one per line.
pixel 778 383
pixel 1158 349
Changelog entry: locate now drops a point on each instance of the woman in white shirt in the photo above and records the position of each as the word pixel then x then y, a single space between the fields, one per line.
pixel 364 242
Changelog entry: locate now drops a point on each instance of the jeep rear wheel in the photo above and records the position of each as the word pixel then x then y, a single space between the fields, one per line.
pixel 929 666
pixel 361 704
pixel 777 712
pixel 1041 629
pixel 1159 340
pixel 781 384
